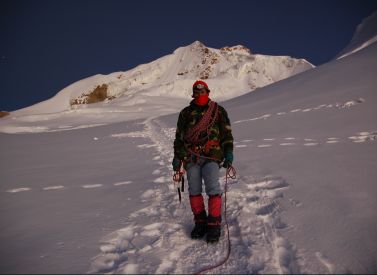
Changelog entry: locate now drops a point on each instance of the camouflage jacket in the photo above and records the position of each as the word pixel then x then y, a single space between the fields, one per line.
pixel 220 134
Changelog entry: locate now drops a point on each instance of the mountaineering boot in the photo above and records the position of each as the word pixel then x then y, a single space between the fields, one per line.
pixel 213 229
pixel 214 219
pixel 200 228
pixel 200 216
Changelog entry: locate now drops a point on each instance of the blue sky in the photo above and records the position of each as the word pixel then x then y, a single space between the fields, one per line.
pixel 47 45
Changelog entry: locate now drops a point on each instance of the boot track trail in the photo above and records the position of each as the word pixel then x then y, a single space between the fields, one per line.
pixel 157 238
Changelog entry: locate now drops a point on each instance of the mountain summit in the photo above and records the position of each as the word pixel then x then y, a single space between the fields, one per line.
pixel 229 71
pixel 157 88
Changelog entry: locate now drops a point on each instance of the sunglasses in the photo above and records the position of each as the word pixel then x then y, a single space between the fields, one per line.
pixel 199 92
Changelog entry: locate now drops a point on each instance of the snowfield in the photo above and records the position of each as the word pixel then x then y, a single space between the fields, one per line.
pixel 101 199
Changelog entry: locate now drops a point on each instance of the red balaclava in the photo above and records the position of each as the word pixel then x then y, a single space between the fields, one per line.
pixel 201 100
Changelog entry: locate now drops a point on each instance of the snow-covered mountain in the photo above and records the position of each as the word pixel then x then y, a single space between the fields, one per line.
pixel 365 35
pixel 165 82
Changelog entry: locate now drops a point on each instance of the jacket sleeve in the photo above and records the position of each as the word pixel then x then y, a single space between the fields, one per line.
pixel 226 137
pixel 180 151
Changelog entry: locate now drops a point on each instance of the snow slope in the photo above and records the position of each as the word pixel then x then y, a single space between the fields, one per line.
pixel 156 88
pixel 101 199
pixel 305 197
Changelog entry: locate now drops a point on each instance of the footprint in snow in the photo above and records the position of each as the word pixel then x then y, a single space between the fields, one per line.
pixel 241 146
pixel 122 183
pixel 58 187
pixel 264 145
pixel 17 190
pixel 267 209
pixel 89 186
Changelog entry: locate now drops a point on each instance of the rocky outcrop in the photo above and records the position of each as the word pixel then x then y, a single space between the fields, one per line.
pixel 4 113
pixel 240 49
pixel 100 93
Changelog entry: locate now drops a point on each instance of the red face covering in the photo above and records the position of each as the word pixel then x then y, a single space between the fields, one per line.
pixel 201 100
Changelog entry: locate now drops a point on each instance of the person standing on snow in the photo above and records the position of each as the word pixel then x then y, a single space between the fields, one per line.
pixel 203 140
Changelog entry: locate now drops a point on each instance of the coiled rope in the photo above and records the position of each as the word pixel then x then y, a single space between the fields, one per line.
pixel 205 123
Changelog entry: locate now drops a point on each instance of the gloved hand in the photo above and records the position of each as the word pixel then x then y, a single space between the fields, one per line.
pixel 228 159
pixel 176 163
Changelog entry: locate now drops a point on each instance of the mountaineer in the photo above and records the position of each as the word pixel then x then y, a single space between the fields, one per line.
pixel 203 141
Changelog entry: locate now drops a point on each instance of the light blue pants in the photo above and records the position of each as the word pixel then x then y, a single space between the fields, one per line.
pixel 207 171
